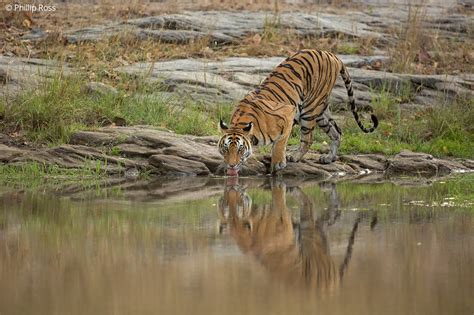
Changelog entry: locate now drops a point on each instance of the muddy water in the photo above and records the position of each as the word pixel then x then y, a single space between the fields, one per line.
pixel 248 247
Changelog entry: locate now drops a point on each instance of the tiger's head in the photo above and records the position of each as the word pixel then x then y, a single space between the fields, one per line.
pixel 235 146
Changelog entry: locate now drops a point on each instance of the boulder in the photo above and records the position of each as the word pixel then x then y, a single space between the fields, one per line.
pixel 175 166
pixel 99 89
pixel 421 164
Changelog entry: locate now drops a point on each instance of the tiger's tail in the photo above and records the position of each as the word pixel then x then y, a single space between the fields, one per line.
pixel 348 83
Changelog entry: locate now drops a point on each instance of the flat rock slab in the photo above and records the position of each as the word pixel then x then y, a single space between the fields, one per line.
pixel 220 27
pixel 8 153
pixel 127 150
pixel 230 79
pixel 224 27
pixel 17 74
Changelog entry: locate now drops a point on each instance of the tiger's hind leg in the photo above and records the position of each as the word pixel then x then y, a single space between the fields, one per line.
pixel 330 127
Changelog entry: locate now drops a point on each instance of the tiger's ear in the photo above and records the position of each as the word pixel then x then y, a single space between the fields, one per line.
pixel 248 127
pixel 222 126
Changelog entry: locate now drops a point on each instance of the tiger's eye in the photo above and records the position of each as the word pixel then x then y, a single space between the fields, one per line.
pixel 247 226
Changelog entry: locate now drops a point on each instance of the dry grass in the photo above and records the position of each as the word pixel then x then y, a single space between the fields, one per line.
pixel 100 58
pixel 124 49
pixel 418 49
pixel 414 50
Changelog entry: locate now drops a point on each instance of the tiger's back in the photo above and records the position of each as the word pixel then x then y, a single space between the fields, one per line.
pixel 302 80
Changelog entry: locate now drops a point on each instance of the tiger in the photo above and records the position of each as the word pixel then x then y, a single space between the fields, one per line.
pixel 295 92
pixel 295 252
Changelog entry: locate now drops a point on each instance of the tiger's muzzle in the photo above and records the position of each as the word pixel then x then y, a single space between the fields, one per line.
pixel 233 170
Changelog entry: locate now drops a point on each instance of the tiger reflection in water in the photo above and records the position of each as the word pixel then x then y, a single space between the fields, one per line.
pixel 293 250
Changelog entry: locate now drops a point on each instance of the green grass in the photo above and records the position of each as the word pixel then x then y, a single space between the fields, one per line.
pixel 61 106
pixel 38 170
pixel 347 49
pixel 445 129
pixel 34 175
pixel 271 28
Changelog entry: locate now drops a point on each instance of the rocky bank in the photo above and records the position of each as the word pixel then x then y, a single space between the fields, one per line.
pixel 127 151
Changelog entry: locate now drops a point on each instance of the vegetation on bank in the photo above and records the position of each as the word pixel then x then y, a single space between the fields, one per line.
pixel 63 105
pixel 35 175
pixel 50 114
pixel 29 171
pixel 445 129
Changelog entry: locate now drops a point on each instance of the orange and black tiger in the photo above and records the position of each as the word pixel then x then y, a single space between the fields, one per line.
pixel 296 92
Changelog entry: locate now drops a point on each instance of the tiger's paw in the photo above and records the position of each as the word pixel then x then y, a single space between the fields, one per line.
pixel 278 166
pixel 293 158
pixel 327 159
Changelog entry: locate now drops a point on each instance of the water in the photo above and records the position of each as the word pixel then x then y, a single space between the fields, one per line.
pixel 240 247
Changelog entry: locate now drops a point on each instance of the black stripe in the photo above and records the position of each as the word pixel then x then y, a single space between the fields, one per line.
pixel 339 131
pixel 307 75
pixel 310 118
pixel 290 99
pixel 266 111
pixel 309 63
pixel 255 120
pixel 320 86
pixel 289 81
pixel 269 90
pixel 290 67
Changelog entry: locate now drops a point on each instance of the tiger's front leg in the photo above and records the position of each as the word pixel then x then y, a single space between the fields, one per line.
pixel 279 155
pixel 280 130
pixel 279 151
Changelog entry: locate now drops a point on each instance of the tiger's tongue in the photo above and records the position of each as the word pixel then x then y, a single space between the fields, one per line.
pixel 232 172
